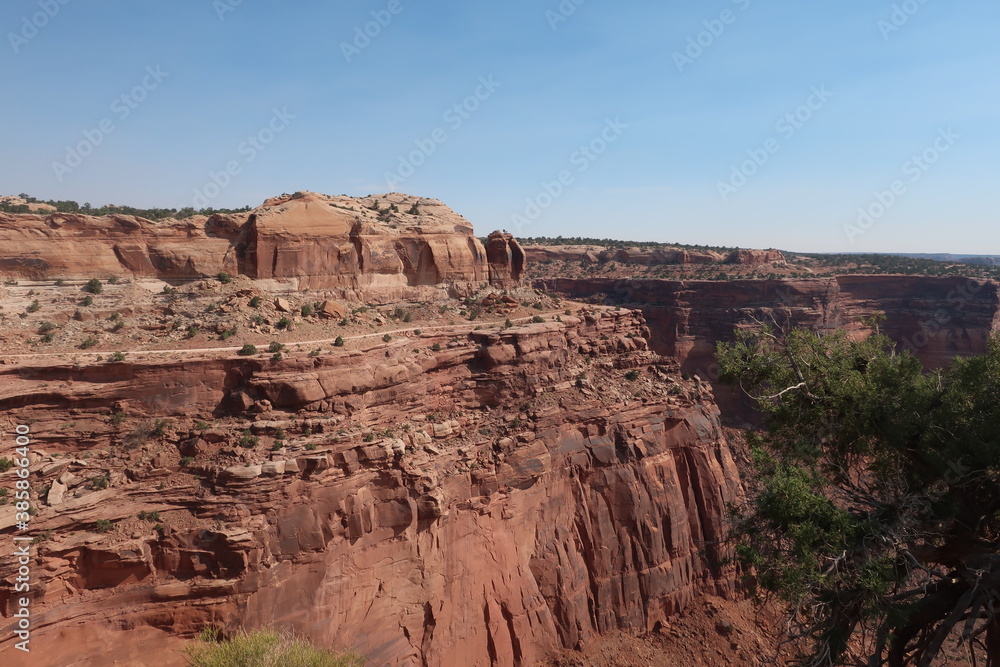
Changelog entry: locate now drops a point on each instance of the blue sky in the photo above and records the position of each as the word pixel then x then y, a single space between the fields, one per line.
pixel 683 143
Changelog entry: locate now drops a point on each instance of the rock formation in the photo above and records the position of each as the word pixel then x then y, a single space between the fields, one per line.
pixel 306 240
pixel 935 318
pixel 472 533
pixel 645 256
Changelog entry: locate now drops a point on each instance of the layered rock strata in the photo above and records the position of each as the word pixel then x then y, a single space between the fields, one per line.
pixel 305 240
pixel 480 498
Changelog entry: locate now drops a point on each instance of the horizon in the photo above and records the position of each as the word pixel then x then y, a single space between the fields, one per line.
pixel 723 125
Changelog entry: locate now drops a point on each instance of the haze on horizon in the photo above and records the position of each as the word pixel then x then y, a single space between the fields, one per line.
pixel 734 122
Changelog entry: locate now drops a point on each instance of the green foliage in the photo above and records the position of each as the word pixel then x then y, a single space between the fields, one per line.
pixel 118 356
pixel 87 301
pixel 118 418
pixel 275 346
pixel 187 460
pixel 88 342
pixel 339 342
pixel 537 319
pixel 436 347
pixel 202 426
pixel 264 648
pixel 34 307
pixel 248 439
pixel 632 375
pixel 369 437
pixel 104 526
pixel 100 482
pixel 255 302
pixel 192 331
pixel 386 338
pixel 69 206
pixel 876 506
pixel 247 350
pixel 94 286
pixel 6 464
pixel 306 310
pixel 224 278
pixel 414 210
pixel 283 323
pixel 46 327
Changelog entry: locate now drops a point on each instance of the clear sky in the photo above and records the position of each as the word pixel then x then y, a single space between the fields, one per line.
pixel 727 122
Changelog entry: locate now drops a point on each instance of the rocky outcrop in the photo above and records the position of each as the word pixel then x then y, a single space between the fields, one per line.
pixel 506 259
pixel 935 318
pixel 647 256
pixel 526 498
pixel 306 240
pixel 755 257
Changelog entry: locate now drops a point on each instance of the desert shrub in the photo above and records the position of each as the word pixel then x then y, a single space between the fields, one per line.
pixel 436 347
pixel 283 323
pixel 632 375
pixel 46 327
pixel 87 301
pixel 118 418
pixel 93 286
pixel 537 319
pixel 247 350
pixel 88 342
pixel 34 307
pixel 255 302
pixel 192 331
pixel 118 356
pixel 104 525
pixel 386 338
pixel 187 460
pixel 275 346
pixel 339 342
pixel 224 278
pixel 6 464
pixel 248 439
pixel 202 426
pixel 306 310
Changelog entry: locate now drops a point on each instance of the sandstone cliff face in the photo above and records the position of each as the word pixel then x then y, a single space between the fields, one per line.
pixel 470 535
pixel 506 258
pixel 307 240
pixel 588 254
pixel 936 318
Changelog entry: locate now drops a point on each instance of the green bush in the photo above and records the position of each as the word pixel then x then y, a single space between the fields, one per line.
pixel 187 460
pixel 275 346
pixel 632 375
pixel 104 525
pixel 248 440
pixel 283 323
pixel 6 464
pixel 118 356
pixel 87 301
pixel 93 286
pixel 339 342
pixel 89 342
pixel 537 319
pixel 247 350
pixel 34 307
pixel 192 331
pixel 46 327
pixel 224 278
pixel 436 347
pixel 386 338
pixel 306 310
pixel 255 302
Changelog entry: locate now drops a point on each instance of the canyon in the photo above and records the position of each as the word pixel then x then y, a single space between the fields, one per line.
pixel 433 463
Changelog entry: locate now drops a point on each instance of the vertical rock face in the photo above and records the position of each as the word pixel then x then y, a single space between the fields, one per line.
pixel 935 318
pixel 476 535
pixel 312 241
pixel 506 259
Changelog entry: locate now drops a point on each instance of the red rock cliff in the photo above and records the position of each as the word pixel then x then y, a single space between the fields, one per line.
pixel 309 240
pixel 524 500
